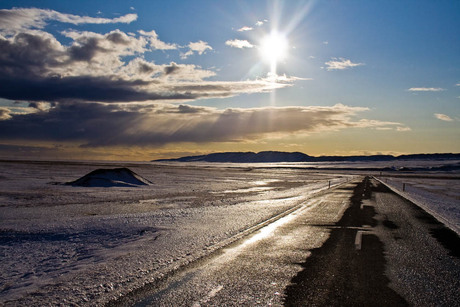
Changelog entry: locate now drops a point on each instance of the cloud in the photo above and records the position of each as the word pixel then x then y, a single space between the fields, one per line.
pixel 40 105
pixel 403 129
pixel 425 89
pixel 94 124
pixel 443 117
pixel 245 28
pixel 105 49
pixel 4 113
pixel 155 43
pixel 19 19
pixel 199 47
pixel 237 43
pixel 186 72
pixel 34 66
pixel 340 64
pixel 104 89
pixel 258 23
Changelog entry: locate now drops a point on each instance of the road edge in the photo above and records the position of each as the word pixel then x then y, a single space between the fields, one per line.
pixel 439 218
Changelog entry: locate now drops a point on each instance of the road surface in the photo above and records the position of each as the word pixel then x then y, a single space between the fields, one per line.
pixel 356 245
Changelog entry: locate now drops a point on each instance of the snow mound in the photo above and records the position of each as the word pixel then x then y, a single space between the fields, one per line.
pixel 117 177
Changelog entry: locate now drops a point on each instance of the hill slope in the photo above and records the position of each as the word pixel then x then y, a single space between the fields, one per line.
pixel 278 156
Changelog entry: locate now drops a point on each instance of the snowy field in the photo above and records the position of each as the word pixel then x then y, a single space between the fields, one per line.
pixel 64 245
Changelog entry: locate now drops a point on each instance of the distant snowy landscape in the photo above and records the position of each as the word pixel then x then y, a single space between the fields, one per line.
pixel 67 244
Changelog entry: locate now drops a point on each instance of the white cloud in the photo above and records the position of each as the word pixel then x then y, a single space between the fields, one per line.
pixel 340 64
pixel 260 23
pixel 245 28
pixel 425 89
pixel 199 47
pixel 156 43
pixel 237 43
pixel 443 117
pixel 17 19
pixel 403 128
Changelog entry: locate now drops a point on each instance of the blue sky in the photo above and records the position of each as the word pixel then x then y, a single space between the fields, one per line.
pixel 89 79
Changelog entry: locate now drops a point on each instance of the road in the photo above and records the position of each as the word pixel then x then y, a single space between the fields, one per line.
pixel 357 245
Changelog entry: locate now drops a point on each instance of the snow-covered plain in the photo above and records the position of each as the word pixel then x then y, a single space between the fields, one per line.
pixel 61 244
pixel 65 245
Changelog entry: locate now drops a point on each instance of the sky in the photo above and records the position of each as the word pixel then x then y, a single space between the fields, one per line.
pixel 143 80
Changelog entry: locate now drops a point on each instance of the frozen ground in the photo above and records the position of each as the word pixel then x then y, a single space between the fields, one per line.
pixel 64 245
pixel 67 245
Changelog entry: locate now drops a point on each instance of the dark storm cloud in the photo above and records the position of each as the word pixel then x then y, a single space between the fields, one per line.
pixel 93 124
pixel 82 88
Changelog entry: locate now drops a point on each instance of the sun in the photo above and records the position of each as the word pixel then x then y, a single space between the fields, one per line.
pixel 273 48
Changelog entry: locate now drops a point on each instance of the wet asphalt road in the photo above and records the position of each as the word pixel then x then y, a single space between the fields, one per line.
pixel 356 245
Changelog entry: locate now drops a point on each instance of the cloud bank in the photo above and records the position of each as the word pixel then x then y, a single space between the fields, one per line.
pixel 95 124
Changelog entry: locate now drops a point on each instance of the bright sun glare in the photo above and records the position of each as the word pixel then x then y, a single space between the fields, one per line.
pixel 273 49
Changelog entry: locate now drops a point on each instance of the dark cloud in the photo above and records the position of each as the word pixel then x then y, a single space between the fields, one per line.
pixel 184 109
pixel 83 88
pixel 86 51
pixel 41 106
pixel 118 38
pixel 93 125
pixel 145 68
pixel 29 55
pixel 171 68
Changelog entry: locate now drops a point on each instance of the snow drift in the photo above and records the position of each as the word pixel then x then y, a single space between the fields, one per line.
pixel 117 177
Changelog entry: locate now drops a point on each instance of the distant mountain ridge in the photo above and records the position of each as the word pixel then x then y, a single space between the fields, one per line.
pixel 279 156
